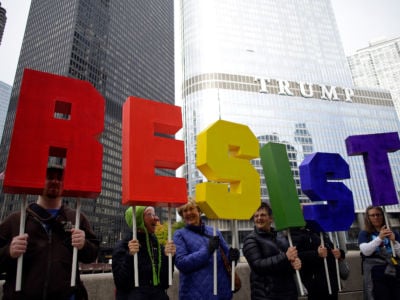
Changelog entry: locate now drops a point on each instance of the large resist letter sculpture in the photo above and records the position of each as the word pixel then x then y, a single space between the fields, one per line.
pixel 281 186
pixel 144 149
pixel 224 151
pixel 282 191
pixel 56 117
pixel 146 126
pixel 375 148
pixel 338 212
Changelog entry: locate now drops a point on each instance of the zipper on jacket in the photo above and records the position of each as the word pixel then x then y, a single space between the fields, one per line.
pixel 49 256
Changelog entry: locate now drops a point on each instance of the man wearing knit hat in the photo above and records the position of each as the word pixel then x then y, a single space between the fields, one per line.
pixel 152 259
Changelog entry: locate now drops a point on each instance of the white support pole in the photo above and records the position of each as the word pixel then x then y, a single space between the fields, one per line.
pixel 234 245
pixel 169 255
pixel 326 265
pixel 388 227
pixel 21 231
pixel 215 262
pixel 300 283
pixel 336 261
pixel 135 256
pixel 75 251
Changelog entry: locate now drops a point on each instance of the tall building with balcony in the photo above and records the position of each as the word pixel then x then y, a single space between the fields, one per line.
pixel 3 19
pixel 378 65
pixel 124 48
pixel 277 66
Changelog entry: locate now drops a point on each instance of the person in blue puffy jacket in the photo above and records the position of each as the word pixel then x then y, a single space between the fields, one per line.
pixel 195 246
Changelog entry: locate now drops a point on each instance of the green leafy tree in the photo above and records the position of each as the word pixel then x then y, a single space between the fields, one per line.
pixel 161 231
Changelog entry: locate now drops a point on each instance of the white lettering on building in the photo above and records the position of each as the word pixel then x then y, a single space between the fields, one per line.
pixel 328 94
pixel 284 88
pixel 349 93
pixel 303 91
pixel 307 90
pixel 263 83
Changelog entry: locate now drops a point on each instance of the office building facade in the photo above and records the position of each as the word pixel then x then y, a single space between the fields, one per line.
pixel 5 93
pixel 378 65
pixel 277 66
pixel 3 19
pixel 124 48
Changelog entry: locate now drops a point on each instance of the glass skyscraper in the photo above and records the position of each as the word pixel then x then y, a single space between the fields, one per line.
pixel 378 65
pixel 5 93
pixel 124 48
pixel 3 19
pixel 279 67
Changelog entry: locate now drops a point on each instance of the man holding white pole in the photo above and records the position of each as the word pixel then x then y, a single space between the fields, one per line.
pixel 47 245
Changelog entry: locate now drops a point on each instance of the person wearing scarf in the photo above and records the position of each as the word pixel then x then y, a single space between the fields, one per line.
pixel 152 259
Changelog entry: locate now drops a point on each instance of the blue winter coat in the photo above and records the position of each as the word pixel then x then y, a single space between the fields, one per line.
pixel 195 265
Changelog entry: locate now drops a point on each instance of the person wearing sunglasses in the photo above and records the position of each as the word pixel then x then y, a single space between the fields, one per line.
pixel 378 243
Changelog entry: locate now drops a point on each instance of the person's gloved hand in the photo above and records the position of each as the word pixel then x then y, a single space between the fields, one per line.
pixel 213 243
pixel 234 254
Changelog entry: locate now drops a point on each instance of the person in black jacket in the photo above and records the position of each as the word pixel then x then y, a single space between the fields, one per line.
pixel 46 246
pixel 152 259
pixel 312 254
pixel 271 260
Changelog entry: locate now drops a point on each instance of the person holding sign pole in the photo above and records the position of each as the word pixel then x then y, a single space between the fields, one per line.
pixel 271 260
pixel 380 265
pixel 196 245
pixel 312 253
pixel 46 246
pixel 152 259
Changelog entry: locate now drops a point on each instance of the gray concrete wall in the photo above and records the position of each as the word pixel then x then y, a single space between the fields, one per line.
pixel 101 286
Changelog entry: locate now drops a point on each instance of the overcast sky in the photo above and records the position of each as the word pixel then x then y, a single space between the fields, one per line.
pixel 359 21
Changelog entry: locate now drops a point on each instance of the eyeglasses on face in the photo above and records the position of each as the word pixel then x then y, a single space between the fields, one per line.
pixel 375 215
pixel 151 215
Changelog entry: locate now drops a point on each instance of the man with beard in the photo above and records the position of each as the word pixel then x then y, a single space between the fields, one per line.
pixel 47 246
